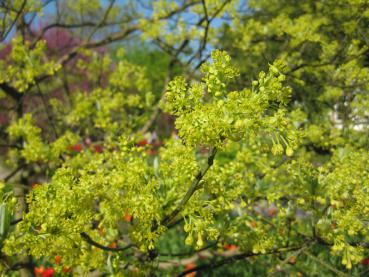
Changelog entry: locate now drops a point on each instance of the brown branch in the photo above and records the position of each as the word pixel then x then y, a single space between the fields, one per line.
pixel 10 146
pixel 19 265
pixel 15 171
pixel 237 257
pixel 10 91
pixel 89 240
pixel 19 13
pixel 203 43
pixel 103 20
pixel 75 26
pixel 16 221
pixel 206 32
pixel 181 9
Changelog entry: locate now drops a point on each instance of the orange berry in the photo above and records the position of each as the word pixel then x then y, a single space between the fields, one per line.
pixel 230 247
pixel 39 270
pixel 58 259
pixel 128 217
pixel 188 267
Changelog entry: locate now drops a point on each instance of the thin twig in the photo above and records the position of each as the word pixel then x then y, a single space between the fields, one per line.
pixel 19 13
pixel 194 186
pixel 15 171
pixel 89 240
pixel 103 20
pixel 320 261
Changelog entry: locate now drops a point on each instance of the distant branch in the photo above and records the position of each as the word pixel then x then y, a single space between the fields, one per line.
pixel 208 20
pixel 113 38
pixel 18 15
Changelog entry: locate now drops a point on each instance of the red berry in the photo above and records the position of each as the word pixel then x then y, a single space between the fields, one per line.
pixel 49 272
pixel 365 261
pixel 98 148
pixel 143 142
pixel 76 148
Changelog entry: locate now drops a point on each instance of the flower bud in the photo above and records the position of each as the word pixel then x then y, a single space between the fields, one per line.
pixel 199 242
pixel 189 240
pixel 289 151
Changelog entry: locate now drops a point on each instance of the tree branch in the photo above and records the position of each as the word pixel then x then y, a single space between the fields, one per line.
pixel 89 240
pixel 237 257
pixel 19 13
pixel 15 171
pixel 10 91
pixel 112 38
pixel 194 186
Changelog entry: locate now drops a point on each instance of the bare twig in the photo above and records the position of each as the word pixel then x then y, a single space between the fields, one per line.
pixel 103 20
pixel 19 13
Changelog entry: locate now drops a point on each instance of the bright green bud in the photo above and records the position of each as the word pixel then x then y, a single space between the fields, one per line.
pixel 289 151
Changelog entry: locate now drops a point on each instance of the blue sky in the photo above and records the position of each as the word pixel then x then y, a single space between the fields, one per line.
pixel 50 10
